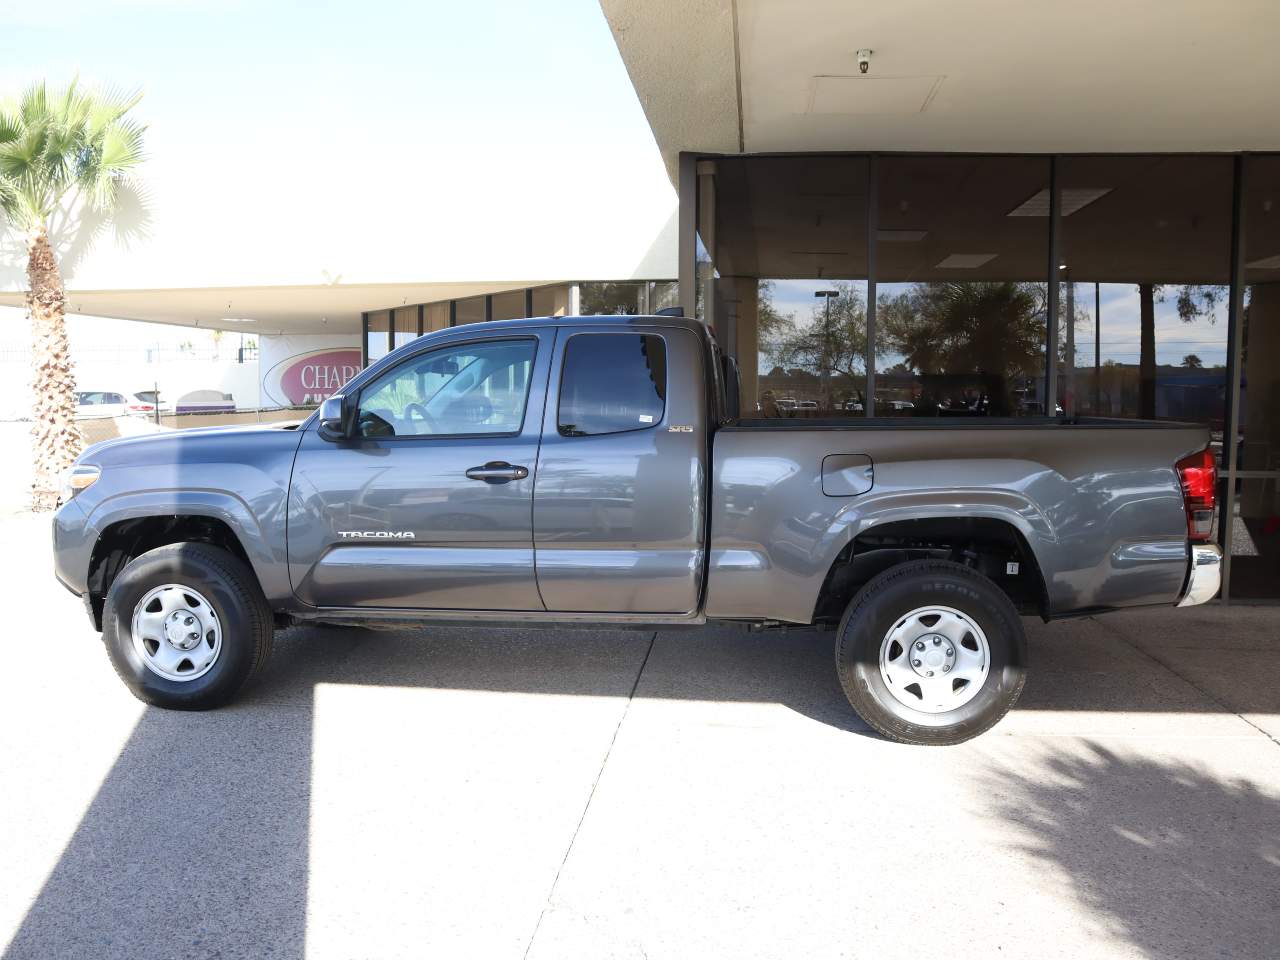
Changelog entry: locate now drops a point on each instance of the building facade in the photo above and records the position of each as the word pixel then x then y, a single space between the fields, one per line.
pixel 986 210
pixel 384 330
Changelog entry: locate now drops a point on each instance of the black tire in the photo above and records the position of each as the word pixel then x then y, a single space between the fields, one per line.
pixel 241 609
pixel 880 606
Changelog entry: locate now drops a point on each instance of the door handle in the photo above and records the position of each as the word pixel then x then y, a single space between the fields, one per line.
pixel 497 471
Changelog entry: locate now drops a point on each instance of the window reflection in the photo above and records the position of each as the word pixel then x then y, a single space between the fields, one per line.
pixel 812 347
pixel 376 339
pixel 790 291
pixel 1146 248
pixel 961 297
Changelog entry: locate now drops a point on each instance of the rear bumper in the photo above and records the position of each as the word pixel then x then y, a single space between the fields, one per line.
pixel 1205 576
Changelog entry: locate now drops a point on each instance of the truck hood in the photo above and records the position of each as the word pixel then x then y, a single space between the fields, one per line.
pixel 196 444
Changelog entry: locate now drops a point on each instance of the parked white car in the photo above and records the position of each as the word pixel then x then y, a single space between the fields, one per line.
pixel 92 404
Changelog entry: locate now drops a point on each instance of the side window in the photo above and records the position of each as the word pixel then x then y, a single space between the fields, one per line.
pixel 612 383
pixel 473 388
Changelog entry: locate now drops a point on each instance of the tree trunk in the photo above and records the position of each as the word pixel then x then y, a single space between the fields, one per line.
pixel 56 439
pixel 1147 356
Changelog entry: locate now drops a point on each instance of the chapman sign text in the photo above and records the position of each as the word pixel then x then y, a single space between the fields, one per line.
pixel 309 378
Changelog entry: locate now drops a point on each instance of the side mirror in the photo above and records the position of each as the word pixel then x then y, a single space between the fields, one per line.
pixel 334 423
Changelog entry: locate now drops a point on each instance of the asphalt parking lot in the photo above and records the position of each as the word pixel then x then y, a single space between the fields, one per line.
pixel 593 793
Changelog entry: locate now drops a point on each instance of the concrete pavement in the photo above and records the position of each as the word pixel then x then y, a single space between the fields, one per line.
pixel 590 793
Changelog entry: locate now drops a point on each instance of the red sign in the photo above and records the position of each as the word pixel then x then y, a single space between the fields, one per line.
pixel 309 378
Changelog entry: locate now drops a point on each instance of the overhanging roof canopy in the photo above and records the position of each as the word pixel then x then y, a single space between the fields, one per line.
pixel 728 76
pixel 322 308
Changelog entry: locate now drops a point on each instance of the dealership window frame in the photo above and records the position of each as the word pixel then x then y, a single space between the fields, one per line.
pixel 696 234
pixel 654 291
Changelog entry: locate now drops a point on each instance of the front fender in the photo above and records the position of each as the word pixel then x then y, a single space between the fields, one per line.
pixel 259 527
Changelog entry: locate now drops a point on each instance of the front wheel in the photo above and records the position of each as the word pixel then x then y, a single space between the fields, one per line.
pixel 185 626
pixel 931 652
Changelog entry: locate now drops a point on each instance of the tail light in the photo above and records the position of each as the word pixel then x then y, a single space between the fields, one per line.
pixel 141 408
pixel 1198 474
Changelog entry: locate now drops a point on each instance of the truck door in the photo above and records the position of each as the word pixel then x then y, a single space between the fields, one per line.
pixel 429 505
pixel 619 506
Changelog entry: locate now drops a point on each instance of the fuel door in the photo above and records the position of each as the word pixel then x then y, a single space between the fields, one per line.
pixel 846 474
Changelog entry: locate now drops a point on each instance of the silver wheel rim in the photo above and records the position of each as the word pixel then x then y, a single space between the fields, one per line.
pixel 176 632
pixel 934 659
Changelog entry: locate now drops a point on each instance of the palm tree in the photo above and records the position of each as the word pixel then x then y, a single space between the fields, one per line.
pixel 60 151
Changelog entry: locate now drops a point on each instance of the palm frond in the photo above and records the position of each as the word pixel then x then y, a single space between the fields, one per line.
pixel 10 126
pixel 108 107
pixel 57 145
pixel 34 105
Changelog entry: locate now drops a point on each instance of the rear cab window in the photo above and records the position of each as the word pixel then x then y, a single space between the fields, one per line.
pixel 612 383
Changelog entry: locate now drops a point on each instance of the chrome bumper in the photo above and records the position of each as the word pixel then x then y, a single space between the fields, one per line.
pixel 1206 574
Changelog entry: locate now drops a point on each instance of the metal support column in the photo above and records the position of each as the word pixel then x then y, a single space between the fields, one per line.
pixel 687 268
pixel 1051 305
pixel 422 310
pixel 711 315
pixel 364 340
pixel 873 237
pixel 1097 349
pixel 1235 356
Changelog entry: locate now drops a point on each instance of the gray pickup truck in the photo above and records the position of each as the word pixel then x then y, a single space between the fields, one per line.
pixel 595 469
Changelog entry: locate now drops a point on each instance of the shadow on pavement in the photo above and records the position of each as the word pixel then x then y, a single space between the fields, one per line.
pixel 196 844
pixel 1175 861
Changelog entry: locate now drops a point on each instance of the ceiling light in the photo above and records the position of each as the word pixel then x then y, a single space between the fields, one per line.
pixel 236 320
pixel 1071 199
pixel 901 236
pixel 966 261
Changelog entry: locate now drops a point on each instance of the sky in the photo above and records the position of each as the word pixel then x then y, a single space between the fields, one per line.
pixel 394 138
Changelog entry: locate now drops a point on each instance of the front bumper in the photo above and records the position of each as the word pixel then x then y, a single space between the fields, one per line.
pixel 1205 576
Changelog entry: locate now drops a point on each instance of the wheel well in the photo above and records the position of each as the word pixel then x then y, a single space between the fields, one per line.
pixel 988 546
pixel 121 542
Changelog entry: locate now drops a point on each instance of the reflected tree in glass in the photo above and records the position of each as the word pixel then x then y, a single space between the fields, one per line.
pixel 832 345
pixel 962 337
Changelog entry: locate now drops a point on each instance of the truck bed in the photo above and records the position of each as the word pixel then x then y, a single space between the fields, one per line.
pixel 1103 516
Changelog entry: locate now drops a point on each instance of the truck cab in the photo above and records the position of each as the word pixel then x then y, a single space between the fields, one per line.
pixel 585 448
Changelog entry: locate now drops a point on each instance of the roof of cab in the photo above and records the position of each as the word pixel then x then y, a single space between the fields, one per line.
pixel 589 320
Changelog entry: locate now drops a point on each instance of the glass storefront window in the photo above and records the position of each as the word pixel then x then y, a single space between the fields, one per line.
pixel 435 317
pixel 960 286
pixel 509 305
pixel 1255 533
pixel 551 301
pixel 790 267
pixel 663 294
pixel 406 320
pixel 1145 271
pixel 376 339
pixel 470 310
pixel 604 297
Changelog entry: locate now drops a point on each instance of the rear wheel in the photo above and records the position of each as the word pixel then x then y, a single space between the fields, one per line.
pixel 186 626
pixel 931 652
